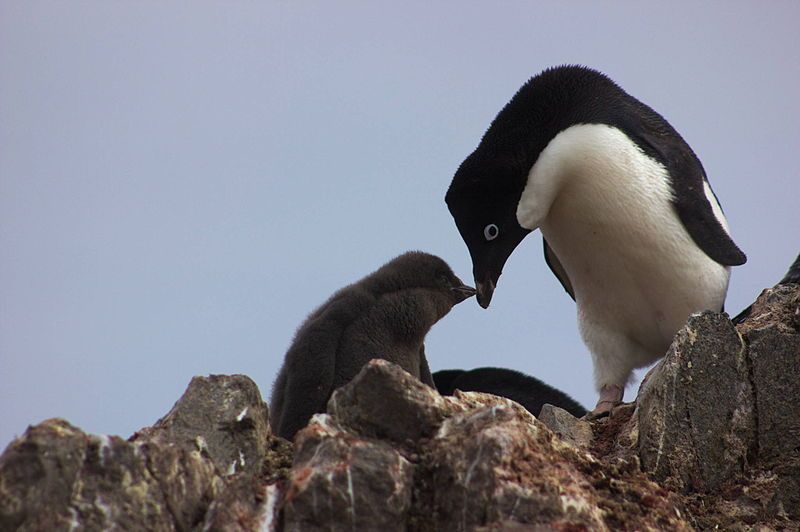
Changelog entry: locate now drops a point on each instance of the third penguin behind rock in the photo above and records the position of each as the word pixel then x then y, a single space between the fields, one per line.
pixel 384 315
pixel 528 391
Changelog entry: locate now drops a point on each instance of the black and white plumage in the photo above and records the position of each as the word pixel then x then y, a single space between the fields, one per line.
pixel 384 315
pixel 528 391
pixel 631 227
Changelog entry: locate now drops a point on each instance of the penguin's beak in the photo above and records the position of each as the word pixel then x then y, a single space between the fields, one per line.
pixel 463 292
pixel 485 291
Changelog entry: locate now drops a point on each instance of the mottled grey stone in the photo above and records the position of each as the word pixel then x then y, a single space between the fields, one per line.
pixel 771 332
pixel 494 465
pixel 383 401
pixel 569 428
pixel 481 458
pixel 222 416
pixel 342 482
pixel 55 477
pixel 696 414
pixel 775 356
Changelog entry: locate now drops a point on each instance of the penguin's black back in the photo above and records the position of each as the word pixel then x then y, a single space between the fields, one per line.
pixel 528 391
pixel 564 96
pixel 444 380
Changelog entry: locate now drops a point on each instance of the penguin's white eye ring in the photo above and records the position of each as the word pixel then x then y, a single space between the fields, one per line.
pixel 491 231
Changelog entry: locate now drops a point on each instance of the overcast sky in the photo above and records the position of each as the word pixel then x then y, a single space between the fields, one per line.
pixel 182 183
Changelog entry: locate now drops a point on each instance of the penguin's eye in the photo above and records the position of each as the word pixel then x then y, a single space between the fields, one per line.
pixel 491 231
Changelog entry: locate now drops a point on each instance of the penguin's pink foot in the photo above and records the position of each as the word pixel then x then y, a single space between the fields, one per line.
pixel 610 396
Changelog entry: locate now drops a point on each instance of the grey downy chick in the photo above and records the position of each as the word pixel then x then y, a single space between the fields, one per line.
pixel 384 315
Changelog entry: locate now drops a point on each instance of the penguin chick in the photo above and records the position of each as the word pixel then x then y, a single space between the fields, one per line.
pixel 631 227
pixel 384 315
pixel 528 391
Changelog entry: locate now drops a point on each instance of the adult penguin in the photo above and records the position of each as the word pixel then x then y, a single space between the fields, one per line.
pixel 631 227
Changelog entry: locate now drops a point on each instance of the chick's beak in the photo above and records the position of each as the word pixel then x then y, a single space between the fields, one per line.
pixel 463 292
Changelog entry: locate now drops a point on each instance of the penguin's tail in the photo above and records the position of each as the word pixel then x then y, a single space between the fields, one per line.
pixel 792 276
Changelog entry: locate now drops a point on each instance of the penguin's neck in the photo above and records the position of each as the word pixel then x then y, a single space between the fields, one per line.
pixel 590 166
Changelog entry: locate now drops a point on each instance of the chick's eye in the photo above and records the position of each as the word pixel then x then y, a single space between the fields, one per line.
pixel 491 231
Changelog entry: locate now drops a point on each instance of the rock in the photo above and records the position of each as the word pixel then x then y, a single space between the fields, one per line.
pixel 249 501
pixel 775 359
pixel 722 417
pixel 774 349
pixel 616 437
pixel 716 424
pixel 496 465
pixel 695 411
pixel 778 306
pixel 383 401
pixel 773 339
pixel 245 504
pixel 168 477
pixel 342 482
pixel 569 428
pixel 55 477
pixel 454 463
pixel 221 415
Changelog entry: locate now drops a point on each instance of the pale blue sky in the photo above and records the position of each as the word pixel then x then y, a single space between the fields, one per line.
pixel 182 183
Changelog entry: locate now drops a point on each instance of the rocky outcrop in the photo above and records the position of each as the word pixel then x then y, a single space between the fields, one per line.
pixel 204 463
pixel 222 417
pixel 713 440
pixel 696 409
pixel 720 415
pixel 467 461
pixel 56 478
pixel 342 481
pixel 566 426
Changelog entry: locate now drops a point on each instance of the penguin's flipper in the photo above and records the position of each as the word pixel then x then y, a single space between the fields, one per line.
pixel 307 386
pixel 276 400
pixel 311 362
pixel 557 269
pixel 424 369
pixel 690 199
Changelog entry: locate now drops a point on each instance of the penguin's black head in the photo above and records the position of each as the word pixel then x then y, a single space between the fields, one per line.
pixel 417 269
pixel 487 187
pixel 483 200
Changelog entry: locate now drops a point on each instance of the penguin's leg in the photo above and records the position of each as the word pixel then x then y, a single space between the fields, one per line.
pixel 610 396
pixel 614 356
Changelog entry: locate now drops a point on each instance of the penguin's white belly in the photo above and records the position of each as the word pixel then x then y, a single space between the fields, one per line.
pixel 640 286
pixel 636 273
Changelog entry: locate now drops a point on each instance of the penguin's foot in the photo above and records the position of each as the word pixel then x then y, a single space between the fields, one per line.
pixel 610 396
